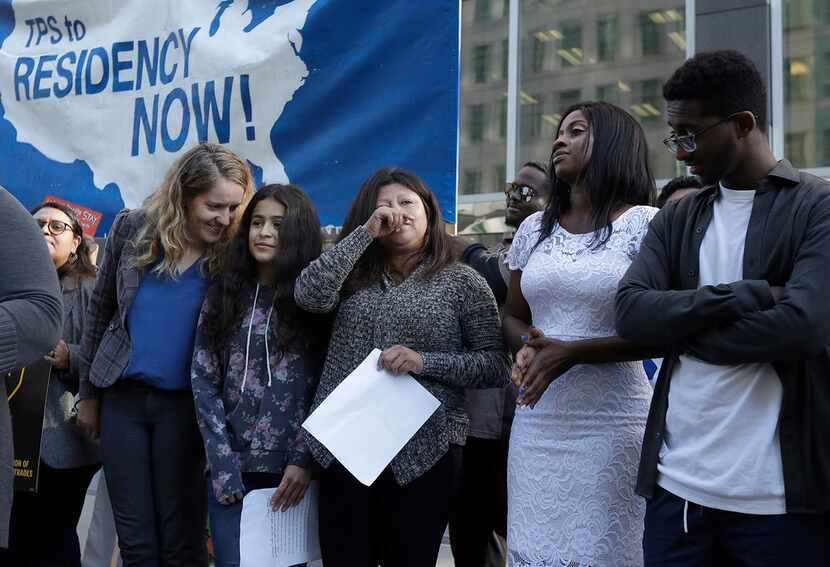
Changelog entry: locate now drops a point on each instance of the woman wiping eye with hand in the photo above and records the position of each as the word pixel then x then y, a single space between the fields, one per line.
pixel 255 362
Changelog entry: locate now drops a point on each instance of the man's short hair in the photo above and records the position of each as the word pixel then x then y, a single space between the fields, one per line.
pixel 725 82
pixel 676 184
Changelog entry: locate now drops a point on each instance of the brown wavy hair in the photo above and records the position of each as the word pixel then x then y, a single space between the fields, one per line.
pixel 435 252
pixel 164 235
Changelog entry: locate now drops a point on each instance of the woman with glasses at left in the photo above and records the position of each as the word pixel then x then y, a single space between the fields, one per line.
pixel 43 524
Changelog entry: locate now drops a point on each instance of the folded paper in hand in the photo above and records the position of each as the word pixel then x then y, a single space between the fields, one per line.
pixel 369 417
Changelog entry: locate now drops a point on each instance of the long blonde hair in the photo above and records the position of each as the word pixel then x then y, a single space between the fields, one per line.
pixel 165 232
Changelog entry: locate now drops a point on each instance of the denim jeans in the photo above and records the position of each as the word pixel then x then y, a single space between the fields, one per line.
pixel 154 463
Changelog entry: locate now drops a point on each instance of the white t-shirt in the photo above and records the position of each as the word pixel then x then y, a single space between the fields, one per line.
pixel 721 448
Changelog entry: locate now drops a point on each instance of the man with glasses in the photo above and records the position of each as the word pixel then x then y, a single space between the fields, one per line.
pixel 733 282
pixel 479 511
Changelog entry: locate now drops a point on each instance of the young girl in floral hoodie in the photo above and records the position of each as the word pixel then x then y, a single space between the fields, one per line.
pixel 255 361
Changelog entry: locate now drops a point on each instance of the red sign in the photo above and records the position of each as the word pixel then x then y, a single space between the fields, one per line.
pixel 89 219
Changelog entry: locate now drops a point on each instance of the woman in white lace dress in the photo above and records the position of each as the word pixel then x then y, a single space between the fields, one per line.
pixel 583 401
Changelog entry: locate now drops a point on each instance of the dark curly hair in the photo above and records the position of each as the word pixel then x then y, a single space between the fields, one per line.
pixel 681 182
pixel 610 182
pixel 300 243
pixel 724 81
pixel 81 265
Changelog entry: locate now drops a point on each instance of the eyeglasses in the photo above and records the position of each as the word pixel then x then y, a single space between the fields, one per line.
pixel 524 192
pixel 686 142
pixel 56 227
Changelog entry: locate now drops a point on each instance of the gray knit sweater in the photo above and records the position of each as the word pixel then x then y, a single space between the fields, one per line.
pixel 451 319
pixel 30 318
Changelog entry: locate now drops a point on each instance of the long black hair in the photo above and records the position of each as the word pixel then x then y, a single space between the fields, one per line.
pixel 616 174
pixel 436 248
pixel 80 264
pixel 299 243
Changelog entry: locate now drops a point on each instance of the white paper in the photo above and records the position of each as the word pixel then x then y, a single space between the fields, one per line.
pixel 278 539
pixel 369 417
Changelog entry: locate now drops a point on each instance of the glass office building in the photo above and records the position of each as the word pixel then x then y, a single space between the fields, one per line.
pixel 524 61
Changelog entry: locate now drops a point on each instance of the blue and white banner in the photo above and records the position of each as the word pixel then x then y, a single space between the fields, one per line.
pixel 99 97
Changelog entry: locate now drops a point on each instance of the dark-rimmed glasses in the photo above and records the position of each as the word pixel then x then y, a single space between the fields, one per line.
pixel 686 142
pixel 525 193
pixel 55 227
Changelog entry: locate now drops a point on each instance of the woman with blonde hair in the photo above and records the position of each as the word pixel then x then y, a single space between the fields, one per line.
pixel 136 353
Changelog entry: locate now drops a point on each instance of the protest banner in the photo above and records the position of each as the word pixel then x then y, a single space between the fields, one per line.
pixel 98 98
pixel 26 390
pixel 88 218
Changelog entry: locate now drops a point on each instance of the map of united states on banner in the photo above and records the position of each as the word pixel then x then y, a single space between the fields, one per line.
pixel 99 97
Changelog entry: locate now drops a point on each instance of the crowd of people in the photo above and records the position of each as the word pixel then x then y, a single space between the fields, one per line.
pixel 215 323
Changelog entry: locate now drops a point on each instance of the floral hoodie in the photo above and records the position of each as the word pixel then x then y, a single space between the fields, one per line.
pixel 250 399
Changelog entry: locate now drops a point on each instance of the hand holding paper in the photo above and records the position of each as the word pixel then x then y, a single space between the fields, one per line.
pixel 369 417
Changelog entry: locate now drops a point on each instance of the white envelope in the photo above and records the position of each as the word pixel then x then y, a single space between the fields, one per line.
pixel 369 417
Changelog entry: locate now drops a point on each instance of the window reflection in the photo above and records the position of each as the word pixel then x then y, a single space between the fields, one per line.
pixel 570 51
pixel 807 82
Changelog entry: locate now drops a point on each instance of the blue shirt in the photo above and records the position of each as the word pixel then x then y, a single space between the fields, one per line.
pixel 162 326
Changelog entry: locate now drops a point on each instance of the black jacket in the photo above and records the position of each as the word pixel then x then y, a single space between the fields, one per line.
pixel 787 244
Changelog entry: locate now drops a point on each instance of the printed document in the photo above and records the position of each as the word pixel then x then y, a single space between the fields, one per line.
pixel 278 539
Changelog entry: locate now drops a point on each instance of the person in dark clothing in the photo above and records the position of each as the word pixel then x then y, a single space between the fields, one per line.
pixel 478 516
pixel 677 188
pixel 733 281
pixel 44 523
pixel 30 319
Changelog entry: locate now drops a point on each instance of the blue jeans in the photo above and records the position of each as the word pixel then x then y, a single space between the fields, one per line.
pixel 224 530
pixel 224 523
pixel 677 535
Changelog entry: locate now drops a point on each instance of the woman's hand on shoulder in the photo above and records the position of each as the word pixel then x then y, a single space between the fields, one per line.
pixel 384 221
pixel 399 359
pixel 290 492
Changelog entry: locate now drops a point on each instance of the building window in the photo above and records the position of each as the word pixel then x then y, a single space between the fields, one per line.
pixel 795 148
pixel 797 79
pixel 481 63
pixel 499 177
pixel 797 14
pixel 607 38
pixel 537 55
pixel 471 183
pixel 476 124
pixel 609 93
pixel 503 119
pixel 649 100
pixel 825 146
pixel 823 75
pixel 505 59
pixel 571 44
pixel 650 38
pixel 531 127
pixel 482 12
pixel 569 97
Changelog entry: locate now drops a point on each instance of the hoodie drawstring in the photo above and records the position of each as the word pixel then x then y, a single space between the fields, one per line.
pixel 248 342
pixel 685 516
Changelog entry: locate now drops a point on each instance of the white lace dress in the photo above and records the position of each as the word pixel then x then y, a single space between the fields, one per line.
pixel 574 456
